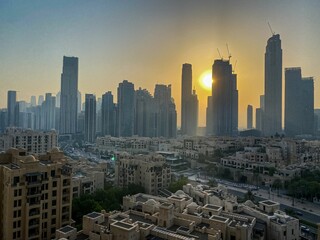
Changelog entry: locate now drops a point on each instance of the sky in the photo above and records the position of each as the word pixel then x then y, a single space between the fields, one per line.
pixel 146 42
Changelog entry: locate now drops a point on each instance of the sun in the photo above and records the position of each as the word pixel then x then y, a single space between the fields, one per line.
pixel 206 80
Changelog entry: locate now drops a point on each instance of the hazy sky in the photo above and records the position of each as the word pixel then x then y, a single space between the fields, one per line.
pixel 146 42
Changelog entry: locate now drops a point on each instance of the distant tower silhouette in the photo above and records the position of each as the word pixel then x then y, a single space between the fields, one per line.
pixel 90 118
pixel 11 108
pixel 69 96
pixel 108 115
pixel 272 115
pixel 299 103
pixel 166 115
pixel 125 109
pixel 189 103
pixel 249 116
pixel 224 101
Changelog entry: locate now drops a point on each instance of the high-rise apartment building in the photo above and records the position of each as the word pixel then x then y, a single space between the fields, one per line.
pixel 40 100
pixel 272 115
pixel 69 96
pixel 126 109
pixel 189 103
pixel 48 109
pixel 249 117
pixel 108 115
pixel 37 197
pixel 224 111
pixel 145 114
pixel 209 117
pixel 259 114
pixel 299 103
pixel 166 115
pixel 33 101
pixel 90 118
pixel 11 108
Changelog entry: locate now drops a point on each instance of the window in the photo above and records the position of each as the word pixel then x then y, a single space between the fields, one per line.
pixel 16 180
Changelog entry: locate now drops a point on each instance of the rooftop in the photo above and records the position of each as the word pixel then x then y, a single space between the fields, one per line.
pixel 213 207
pixel 66 229
pixel 123 225
pixel 94 215
pixel 269 202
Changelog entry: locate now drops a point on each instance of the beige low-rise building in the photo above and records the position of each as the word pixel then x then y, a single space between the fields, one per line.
pixel 34 142
pixel 35 194
pixel 162 218
pixel 149 171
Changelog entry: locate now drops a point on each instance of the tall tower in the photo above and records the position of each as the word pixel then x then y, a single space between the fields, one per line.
pixel 249 116
pixel 125 109
pixel 299 103
pixel 189 102
pixel 166 115
pixel 11 108
pixel 90 118
pixel 273 87
pixel 224 100
pixel 48 112
pixel 69 96
pixel 108 115
pixel 144 114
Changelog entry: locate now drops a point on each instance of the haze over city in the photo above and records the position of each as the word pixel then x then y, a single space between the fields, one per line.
pixel 146 42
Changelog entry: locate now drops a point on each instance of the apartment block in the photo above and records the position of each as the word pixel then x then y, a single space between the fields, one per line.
pixel 34 142
pixel 149 171
pixel 36 196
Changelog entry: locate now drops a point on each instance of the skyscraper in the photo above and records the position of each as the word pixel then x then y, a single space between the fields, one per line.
pixel 11 108
pixel 69 96
pixel 166 115
pixel 144 114
pixel 40 100
pixel 33 101
pixel 90 118
pixel 125 109
pixel 189 102
pixel 48 112
pixel 259 114
pixel 108 115
pixel 224 112
pixel 299 103
pixel 273 87
pixel 209 117
pixel 249 117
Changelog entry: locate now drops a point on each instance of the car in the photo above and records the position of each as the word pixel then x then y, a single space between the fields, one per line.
pixel 304 228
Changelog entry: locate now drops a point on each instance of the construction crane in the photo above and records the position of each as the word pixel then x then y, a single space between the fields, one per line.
pixel 235 65
pixel 229 54
pixel 219 54
pixel 272 32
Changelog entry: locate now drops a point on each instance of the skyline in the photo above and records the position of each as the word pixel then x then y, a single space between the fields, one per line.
pixel 147 43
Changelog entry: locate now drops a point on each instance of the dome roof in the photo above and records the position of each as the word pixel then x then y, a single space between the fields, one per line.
pixel 180 192
pixel 55 150
pixel 151 202
pixel 30 158
pixel 193 204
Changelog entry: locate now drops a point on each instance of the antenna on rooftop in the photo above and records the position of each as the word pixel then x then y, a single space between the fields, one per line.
pixel 229 54
pixel 272 32
pixel 219 54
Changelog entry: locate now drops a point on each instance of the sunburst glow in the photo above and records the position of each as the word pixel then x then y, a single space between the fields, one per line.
pixel 206 80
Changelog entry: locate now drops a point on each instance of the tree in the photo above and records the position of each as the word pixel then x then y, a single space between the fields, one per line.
pixel 249 196
pixel 178 185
